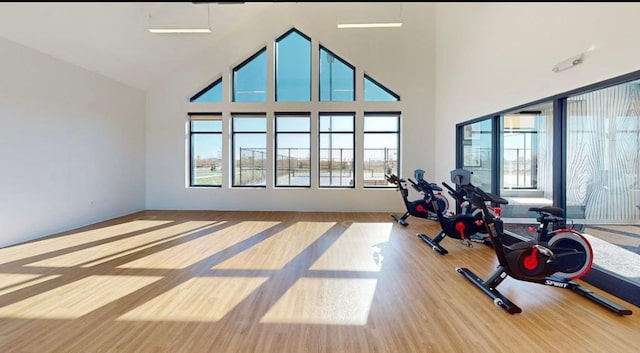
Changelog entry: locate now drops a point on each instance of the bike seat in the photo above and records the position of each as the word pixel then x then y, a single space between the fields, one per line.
pixel 554 211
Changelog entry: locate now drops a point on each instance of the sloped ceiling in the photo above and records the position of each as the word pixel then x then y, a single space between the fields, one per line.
pixel 111 38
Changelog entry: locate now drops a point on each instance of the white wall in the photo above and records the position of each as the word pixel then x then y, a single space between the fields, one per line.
pixel 495 56
pixel 71 146
pixel 402 59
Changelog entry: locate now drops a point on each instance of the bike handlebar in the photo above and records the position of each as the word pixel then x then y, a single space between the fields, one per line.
pixel 454 193
pixel 486 196
pixel 425 186
pixel 449 187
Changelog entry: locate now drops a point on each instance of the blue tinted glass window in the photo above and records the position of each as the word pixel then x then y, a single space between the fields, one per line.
pixel 337 78
pixel 206 125
pixel 381 143
pixel 293 151
pixel 250 79
pixel 213 93
pixel 206 150
pixel 293 68
pixel 336 123
pixel 249 124
pixel 381 123
pixel 373 91
pixel 293 124
pixel 249 144
pixel 336 150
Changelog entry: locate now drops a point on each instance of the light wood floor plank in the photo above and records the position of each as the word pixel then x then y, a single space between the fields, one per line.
pixel 212 282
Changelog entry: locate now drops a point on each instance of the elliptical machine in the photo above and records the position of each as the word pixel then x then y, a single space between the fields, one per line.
pixel 421 208
pixel 555 258
pixel 468 226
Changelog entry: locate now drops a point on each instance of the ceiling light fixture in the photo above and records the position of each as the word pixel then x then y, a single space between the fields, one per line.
pixel 180 28
pixel 569 63
pixel 371 25
pixel 375 23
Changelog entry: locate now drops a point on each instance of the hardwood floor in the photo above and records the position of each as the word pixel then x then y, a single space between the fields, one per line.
pixel 205 281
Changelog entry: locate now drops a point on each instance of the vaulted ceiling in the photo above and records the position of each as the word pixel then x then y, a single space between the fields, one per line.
pixel 111 38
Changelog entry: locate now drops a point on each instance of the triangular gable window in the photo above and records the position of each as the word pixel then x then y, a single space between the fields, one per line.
pixel 250 79
pixel 292 79
pixel 212 93
pixel 337 78
pixel 374 91
pixel 293 67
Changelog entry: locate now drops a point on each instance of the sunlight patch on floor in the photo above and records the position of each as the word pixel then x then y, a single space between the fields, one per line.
pixel 193 251
pixel 279 249
pixel 197 300
pixel 76 299
pixel 357 249
pixel 614 258
pixel 108 251
pixel 329 301
pixel 11 282
pixel 49 245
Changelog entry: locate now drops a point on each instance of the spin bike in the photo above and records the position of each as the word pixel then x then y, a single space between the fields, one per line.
pixel 468 226
pixel 459 176
pixel 548 216
pixel 420 208
pixel 554 258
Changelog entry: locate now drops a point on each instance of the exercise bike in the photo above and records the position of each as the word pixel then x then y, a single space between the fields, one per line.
pixel 468 226
pixel 548 216
pixel 420 208
pixel 459 176
pixel 554 258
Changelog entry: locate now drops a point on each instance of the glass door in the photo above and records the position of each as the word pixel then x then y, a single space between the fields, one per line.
pixel 526 152
pixel 477 151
